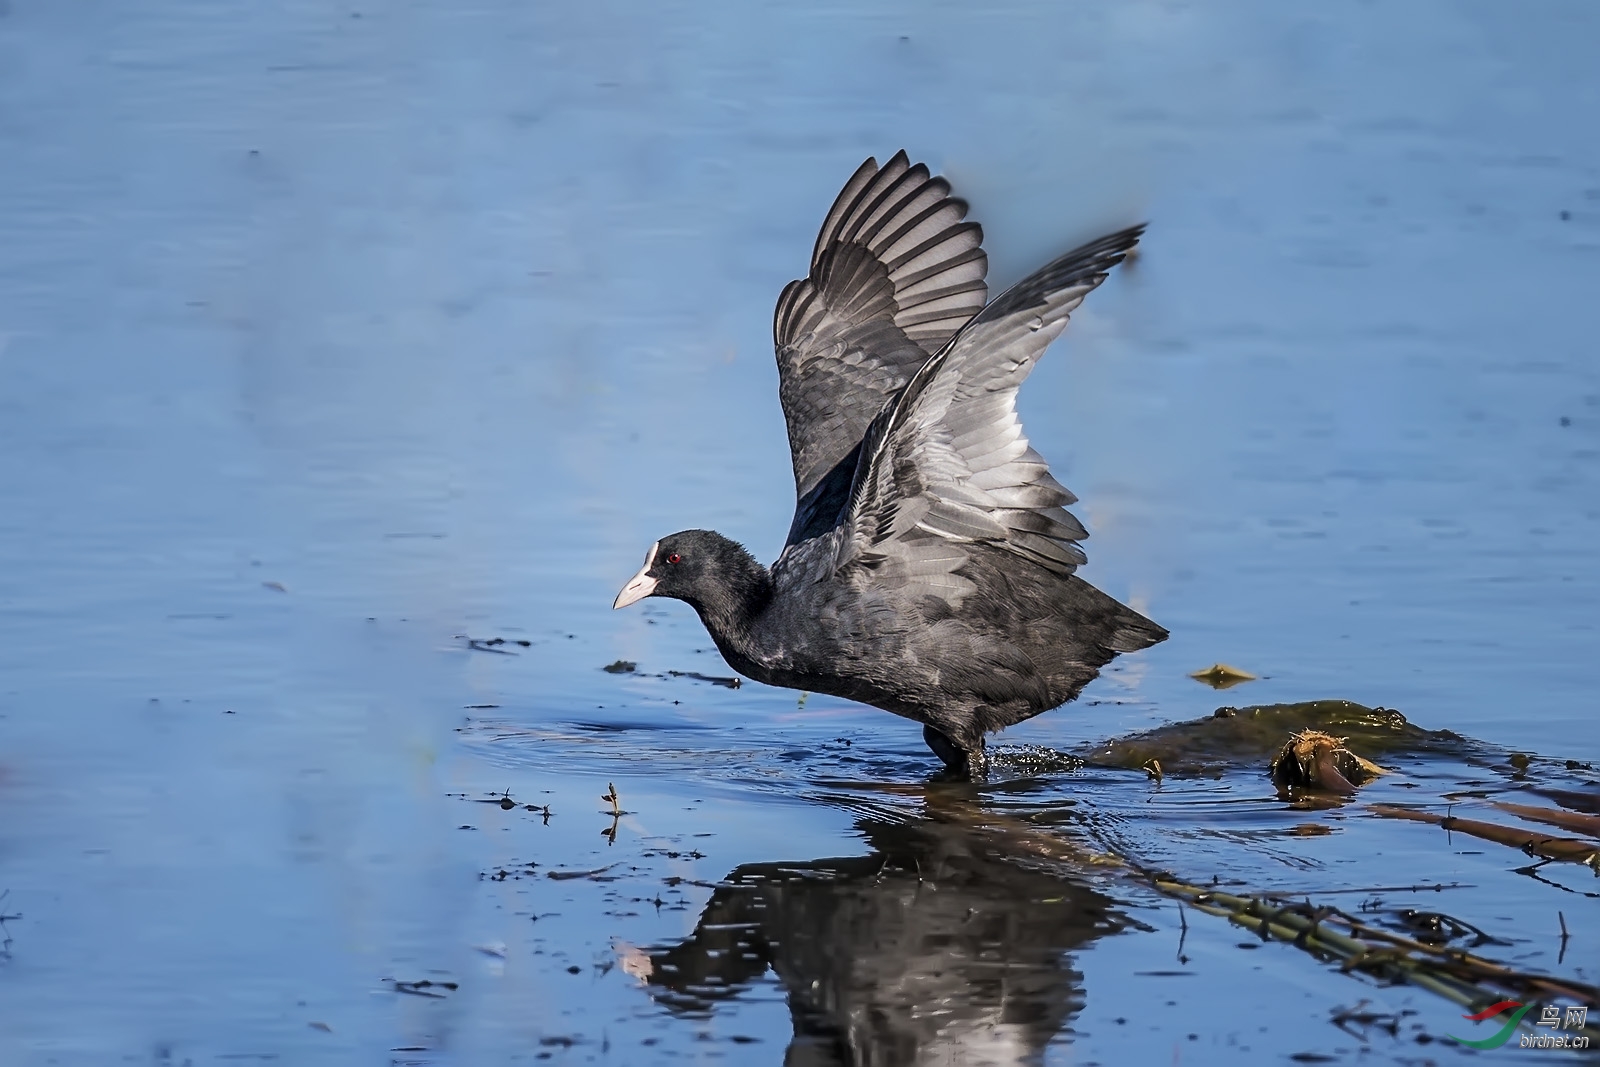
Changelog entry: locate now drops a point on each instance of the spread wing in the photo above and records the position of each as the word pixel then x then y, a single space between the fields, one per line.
pixel 895 273
pixel 947 467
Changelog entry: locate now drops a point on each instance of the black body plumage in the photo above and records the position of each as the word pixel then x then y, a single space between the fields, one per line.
pixel 929 566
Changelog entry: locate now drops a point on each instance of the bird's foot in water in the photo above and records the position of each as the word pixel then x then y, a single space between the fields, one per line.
pixel 962 761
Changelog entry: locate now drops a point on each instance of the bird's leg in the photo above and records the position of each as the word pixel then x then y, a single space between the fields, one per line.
pixel 945 749
pixel 966 760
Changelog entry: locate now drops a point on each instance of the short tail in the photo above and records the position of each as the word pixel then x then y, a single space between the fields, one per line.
pixel 1132 631
pixel 1115 626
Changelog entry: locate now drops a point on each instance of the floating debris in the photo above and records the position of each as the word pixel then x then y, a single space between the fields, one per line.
pixel 5 936
pixel 1312 759
pixel 1222 676
pixel 1532 842
pixel 1567 820
pixel 493 644
pixel 1358 1021
pixel 725 682
pixel 565 876
pixel 621 666
pixel 424 988
pixel 635 961
pixel 1437 928
pixel 610 832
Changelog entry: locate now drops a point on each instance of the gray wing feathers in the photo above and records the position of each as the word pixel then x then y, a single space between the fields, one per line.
pixel 894 274
pixel 948 461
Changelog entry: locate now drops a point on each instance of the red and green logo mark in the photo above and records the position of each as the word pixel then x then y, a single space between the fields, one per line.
pixel 1505 1031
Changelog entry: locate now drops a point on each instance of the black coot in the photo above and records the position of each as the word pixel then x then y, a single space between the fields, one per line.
pixel 929 567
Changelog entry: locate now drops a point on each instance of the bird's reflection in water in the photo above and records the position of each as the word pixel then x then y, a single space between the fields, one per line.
pixel 939 948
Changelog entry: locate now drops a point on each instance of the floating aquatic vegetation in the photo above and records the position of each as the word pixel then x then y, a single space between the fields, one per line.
pixel 1222 676
pixel 1234 737
pixel 1356 945
pixel 1315 760
pixel 1425 951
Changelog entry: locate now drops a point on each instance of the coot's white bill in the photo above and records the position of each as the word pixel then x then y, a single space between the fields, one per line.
pixel 640 585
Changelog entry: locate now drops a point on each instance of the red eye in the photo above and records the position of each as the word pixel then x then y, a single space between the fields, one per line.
pixel 674 558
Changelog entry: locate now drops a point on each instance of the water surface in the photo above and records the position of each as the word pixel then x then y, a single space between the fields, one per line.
pixel 331 337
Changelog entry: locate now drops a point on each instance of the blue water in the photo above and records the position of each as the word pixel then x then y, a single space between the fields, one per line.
pixel 332 335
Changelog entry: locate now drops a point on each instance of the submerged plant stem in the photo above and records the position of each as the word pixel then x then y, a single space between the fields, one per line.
pixel 1450 973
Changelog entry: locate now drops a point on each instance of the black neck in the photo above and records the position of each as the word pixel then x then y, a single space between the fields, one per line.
pixel 742 590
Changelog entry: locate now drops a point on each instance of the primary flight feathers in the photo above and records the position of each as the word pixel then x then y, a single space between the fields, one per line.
pixel 895 309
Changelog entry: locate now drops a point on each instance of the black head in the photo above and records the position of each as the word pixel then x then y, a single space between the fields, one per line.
pixel 705 569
